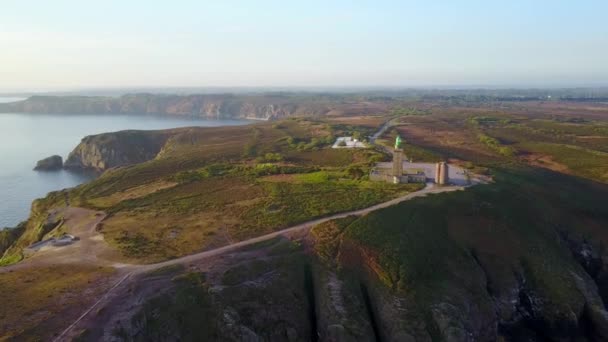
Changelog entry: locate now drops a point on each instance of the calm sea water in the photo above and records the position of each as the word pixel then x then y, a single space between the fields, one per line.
pixel 25 139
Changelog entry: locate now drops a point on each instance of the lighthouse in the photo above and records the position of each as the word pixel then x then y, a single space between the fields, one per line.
pixel 397 161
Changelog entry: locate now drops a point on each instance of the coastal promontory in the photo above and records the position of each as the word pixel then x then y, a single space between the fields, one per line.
pixel 103 151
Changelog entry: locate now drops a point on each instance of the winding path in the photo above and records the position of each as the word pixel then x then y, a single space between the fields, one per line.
pixel 134 270
pixel 287 232
pixel 429 189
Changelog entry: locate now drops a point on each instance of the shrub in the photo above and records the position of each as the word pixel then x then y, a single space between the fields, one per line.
pixel 271 158
pixel 355 172
pixel 495 145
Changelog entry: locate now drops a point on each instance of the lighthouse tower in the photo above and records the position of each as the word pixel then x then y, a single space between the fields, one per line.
pixel 397 160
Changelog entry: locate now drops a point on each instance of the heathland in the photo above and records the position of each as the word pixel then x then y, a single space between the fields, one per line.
pixel 519 258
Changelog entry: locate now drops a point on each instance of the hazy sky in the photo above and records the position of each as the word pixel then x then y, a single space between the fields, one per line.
pixel 72 44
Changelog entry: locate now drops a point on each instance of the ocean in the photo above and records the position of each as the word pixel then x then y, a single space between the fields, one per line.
pixel 27 138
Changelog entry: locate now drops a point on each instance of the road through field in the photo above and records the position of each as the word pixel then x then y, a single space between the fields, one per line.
pixel 131 271
pixel 429 189
pixel 287 232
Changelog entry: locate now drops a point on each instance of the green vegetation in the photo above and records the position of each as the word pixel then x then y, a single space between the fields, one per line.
pixel 318 194
pixel 401 111
pixel 578 128
pixel 495 145
pixel 577 148
pixel 410 150
pixel 56 289
pixel 14 240
pixel 419 154
pixel 251 293
pixel 178 313
pixel 457 260
pixel 317 177
pixel 580 161
pixel 8 236
pixel 270 158
pixel 327 237
pixel 488 121
pixel 491 232
pixel 203 191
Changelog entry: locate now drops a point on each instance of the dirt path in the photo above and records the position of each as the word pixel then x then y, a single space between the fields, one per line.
pixel 90 248
pixel 134 270
pixel 297 229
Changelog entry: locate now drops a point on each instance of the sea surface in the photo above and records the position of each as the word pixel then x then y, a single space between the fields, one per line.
pixel 27 138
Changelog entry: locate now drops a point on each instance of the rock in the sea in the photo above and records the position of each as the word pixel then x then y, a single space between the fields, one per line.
pixel 49 164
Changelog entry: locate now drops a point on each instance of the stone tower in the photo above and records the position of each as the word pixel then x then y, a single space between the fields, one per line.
pixel 437 173
pixel 397 162
pixel 443 173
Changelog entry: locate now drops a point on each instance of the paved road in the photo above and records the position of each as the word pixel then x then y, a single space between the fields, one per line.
pixel 381 131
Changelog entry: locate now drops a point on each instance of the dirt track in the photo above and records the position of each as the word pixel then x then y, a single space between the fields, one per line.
pixel 91 248
pixel 429 189
pixel 131 271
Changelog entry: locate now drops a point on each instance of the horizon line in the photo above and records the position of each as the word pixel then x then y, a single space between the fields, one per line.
pixel 287 88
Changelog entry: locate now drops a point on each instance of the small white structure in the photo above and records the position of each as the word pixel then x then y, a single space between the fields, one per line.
pixel 348 142
pixel 64 240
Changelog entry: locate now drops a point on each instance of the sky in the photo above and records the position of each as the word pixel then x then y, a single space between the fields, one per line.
pixel 62 44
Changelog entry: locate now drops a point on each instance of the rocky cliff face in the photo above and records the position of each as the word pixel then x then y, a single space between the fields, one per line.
pixel 108 150
pixel 49 164
pixel 263 107
pixel 42 220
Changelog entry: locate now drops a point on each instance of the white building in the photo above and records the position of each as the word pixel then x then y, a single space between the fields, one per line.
pixel 348 142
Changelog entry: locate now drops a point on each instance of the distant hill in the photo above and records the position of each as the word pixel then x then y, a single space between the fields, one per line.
pixel 213 106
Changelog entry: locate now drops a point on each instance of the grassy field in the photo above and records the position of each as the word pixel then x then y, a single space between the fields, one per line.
pixel 212 187
pixel 207 187
pixel 490 137
pixel 484 242
pixel 221 209
pixel 580 161
pixel 469 251
pixel 575 148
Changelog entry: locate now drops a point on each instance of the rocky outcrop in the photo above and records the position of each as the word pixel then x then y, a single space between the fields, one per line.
pixel 51 163
pixel 41 221
pixel 211 106
pixel 108 150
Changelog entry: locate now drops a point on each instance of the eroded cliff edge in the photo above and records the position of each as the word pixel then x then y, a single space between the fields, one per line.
pixel 104 151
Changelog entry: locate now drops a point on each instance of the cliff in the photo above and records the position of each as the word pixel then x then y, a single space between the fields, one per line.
pixel 43 219
pixel 212 106
pixel 103 151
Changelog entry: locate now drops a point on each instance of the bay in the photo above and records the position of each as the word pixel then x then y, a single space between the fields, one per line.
pixel 27 138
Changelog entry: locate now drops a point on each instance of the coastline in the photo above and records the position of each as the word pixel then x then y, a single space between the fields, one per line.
pixel 31 137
